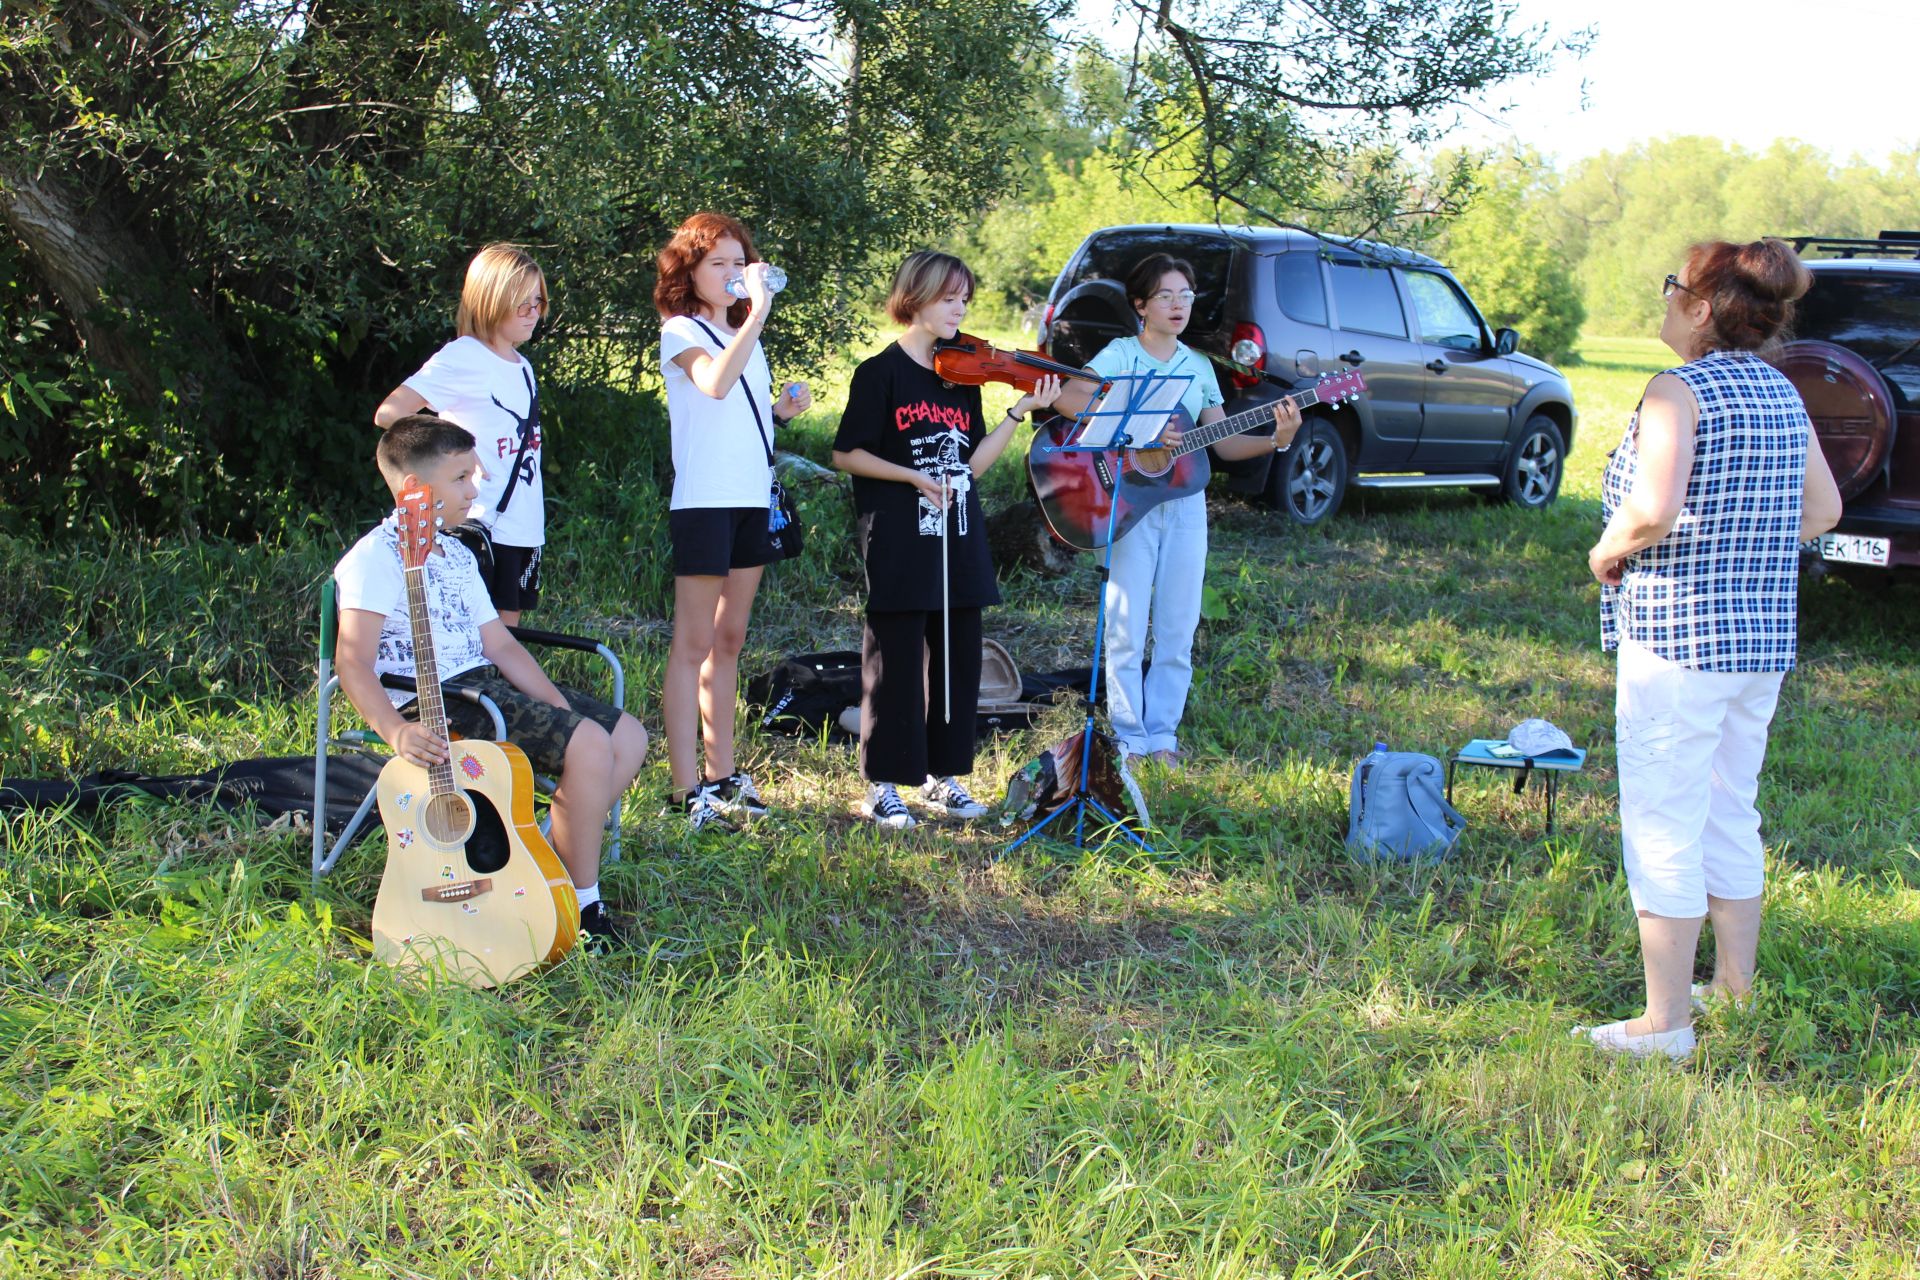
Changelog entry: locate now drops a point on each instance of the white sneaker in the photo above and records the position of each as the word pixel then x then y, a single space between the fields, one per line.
pixel 1677 1044
pixel 950 798
pixel 886 808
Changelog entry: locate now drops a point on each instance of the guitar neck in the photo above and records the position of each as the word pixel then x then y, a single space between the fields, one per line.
pixel 1215 432
pixel 426 676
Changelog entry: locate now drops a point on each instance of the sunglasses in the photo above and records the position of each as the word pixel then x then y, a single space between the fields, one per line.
pixel 1672 283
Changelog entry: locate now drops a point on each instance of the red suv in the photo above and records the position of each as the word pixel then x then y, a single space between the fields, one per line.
pixel 1857 365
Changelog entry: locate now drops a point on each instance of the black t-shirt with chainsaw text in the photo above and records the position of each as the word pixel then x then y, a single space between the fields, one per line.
pixel 904 413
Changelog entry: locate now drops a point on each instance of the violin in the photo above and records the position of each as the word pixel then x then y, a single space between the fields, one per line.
pixel 973 361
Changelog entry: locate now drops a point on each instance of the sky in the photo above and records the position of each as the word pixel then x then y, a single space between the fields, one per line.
pixel 1836 73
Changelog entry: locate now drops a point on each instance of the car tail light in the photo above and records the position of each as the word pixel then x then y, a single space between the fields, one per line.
pixel 1046 323
pixel 1246 331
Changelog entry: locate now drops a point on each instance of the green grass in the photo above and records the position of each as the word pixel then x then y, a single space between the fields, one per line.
pixel 853 1056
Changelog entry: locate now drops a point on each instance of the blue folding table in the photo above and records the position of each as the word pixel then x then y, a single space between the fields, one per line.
pixel 1481 753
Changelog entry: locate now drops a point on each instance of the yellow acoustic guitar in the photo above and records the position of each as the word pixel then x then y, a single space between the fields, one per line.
pixel 471 886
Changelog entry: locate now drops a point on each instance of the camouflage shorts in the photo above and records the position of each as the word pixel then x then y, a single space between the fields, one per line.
pixel 538 728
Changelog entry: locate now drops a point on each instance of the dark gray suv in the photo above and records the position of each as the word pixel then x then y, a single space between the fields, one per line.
pixel 1450 401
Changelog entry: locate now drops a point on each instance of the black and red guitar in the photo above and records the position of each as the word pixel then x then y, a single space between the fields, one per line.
pixel 1076 489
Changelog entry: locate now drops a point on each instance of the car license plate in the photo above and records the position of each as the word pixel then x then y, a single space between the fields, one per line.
pixel 1849 548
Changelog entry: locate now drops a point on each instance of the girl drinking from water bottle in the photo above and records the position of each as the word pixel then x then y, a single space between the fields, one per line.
pixel 723 414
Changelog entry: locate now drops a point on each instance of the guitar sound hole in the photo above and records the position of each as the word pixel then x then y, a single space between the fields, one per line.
pixel 487 848
pixel 1152 462
pixel 449 818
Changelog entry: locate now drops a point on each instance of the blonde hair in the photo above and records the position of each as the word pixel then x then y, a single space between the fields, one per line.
pixel 924 278
pixel 496 278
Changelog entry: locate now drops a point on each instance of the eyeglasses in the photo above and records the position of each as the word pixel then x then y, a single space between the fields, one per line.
pixel 535 306
pixel 1183 296
pixel 1671 283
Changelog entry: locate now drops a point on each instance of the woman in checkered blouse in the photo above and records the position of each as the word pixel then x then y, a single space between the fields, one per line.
pixel 1707 500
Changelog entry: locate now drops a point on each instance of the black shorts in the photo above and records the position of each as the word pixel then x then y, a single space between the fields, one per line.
pixel 711 542
pixel 538 728
pixel 514 583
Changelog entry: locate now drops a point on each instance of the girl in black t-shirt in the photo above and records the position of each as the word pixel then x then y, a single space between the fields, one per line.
pixel 914 444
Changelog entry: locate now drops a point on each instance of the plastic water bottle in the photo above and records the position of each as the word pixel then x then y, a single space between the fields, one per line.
pixel 776 281
pixel 1373 758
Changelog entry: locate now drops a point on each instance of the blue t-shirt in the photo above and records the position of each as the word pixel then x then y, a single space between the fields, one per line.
pixel 1126 355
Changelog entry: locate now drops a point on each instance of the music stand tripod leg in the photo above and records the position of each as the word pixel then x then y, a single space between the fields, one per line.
pixel 1082 798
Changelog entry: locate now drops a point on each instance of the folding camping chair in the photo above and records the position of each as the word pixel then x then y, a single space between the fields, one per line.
pixel 325 855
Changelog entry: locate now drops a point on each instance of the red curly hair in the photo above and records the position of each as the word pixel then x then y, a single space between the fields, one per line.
pixel 673 293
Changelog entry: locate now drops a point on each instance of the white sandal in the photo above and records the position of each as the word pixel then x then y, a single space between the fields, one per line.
pixel 1614 1037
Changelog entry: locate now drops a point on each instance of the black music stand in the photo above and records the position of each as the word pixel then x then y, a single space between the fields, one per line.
pixel 1141 389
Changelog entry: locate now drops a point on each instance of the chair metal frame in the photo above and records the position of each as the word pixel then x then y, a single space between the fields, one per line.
pixel 327 683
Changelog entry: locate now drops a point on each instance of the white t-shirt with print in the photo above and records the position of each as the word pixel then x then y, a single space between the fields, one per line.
pixel 370 577
pixel 719 458
pixel 468 384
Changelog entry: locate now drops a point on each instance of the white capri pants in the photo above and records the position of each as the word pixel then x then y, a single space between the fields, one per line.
pixel 1690 748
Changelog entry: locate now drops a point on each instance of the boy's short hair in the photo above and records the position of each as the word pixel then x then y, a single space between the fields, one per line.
pixel 417 439
pixel 925 277
pixel 496 278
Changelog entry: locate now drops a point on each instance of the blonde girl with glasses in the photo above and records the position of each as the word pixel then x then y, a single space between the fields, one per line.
pixel 481 382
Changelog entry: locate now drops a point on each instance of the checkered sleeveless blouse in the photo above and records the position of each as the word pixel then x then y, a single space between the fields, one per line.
pixel 1721 591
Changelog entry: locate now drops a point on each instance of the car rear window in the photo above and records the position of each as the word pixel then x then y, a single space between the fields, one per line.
pixel 1877 316
pixel 1113 254
pixel 1366 298
pixel 1297 281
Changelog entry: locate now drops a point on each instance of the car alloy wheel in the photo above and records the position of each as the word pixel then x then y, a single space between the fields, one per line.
pixel 1533 473
pixel 1310 479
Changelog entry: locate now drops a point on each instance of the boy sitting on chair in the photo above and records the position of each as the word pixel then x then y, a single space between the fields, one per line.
pixel 593 749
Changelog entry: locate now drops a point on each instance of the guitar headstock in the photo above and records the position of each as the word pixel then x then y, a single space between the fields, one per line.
pixel 418 524
pixel 1341 388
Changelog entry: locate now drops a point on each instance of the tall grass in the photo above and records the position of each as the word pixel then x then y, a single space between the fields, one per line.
pixel 842 1054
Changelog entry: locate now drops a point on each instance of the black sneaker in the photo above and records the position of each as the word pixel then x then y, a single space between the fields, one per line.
pixel 886 808
pixel 703 809
pixel 737 798
pixel 610 928
pixel 947 796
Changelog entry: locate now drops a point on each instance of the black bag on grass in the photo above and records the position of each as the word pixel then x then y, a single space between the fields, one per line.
pixel 806 693
pixel 275 786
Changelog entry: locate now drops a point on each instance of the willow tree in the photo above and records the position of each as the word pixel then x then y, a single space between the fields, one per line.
pixel 248 216
pixel 235 223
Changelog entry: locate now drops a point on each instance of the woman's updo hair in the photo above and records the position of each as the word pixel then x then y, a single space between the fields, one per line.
pixel 1752 289
pixel 1145 277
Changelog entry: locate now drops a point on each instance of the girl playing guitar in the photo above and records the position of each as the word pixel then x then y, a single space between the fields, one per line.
pixel 1159 567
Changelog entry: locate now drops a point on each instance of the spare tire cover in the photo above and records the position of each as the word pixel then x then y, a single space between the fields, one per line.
pixel 1851 408
pixel 1092 314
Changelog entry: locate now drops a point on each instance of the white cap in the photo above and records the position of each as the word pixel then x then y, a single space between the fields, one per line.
pixel 1537 738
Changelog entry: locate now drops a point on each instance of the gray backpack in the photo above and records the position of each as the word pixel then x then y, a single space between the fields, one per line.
pixel 1397 808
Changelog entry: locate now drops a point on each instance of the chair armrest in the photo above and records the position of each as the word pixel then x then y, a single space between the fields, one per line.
pixel 554 639
pixel 407 684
